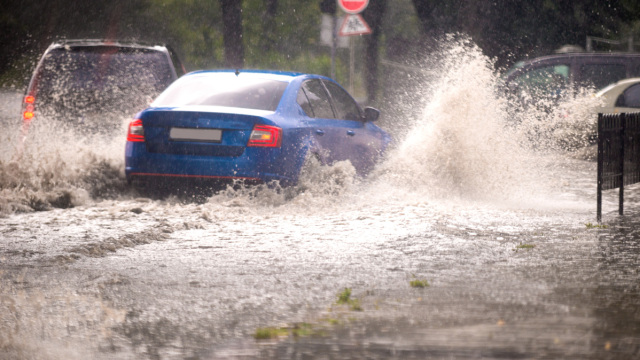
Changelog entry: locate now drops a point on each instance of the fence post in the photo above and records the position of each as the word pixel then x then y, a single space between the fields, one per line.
pixel 600 166
pixel 623 136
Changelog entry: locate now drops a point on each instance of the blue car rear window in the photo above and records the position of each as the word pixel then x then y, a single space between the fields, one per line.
pixel 223 89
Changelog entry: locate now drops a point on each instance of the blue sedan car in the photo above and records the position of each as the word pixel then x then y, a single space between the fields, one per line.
pixel 252 126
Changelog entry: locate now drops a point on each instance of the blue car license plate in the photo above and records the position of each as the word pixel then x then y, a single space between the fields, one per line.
pixel 187 134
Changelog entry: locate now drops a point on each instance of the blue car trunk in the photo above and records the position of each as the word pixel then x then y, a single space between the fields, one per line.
pixel 197 133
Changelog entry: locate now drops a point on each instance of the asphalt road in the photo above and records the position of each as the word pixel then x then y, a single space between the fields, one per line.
pixel 135 278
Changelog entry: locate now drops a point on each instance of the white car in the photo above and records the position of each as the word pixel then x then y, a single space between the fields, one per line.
pixel 619 97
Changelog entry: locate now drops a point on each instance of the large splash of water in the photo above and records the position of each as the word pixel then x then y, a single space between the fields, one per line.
pixel 470 142
pixel 460 146
pixel 473 141
pixel 54 166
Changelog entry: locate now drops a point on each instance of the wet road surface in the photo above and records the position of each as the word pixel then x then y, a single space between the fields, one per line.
pixel 129 279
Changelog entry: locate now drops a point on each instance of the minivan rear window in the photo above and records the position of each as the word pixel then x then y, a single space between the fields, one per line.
pixel 103 69
pixel 601 75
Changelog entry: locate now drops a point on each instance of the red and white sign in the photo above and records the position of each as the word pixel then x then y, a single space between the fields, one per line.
pixel 353 6
pixel 354 25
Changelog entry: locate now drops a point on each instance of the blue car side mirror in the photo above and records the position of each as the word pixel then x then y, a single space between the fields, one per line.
pixel 371 114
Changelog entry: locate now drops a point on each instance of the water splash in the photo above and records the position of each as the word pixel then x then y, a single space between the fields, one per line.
pixel 318 185
pixel 54 166
pixel 470 142
pixel 474 142
pixel 462 146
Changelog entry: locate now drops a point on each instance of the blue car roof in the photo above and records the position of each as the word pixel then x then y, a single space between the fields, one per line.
pixel 274 74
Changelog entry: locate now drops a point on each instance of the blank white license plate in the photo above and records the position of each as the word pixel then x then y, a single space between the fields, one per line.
pixel 184 134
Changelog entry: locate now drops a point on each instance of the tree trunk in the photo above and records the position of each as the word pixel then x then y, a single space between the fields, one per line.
pixel 269 26
pixel 232 33
pixel 424 8
pixel 373 15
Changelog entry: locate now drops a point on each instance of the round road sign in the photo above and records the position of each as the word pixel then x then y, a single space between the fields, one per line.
pixel 353 6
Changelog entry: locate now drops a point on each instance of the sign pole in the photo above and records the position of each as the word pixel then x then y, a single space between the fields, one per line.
pixel 352 25
pixel 352 63
pixel 334 45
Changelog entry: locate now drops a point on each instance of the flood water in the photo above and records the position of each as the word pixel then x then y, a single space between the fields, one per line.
pixel 498 226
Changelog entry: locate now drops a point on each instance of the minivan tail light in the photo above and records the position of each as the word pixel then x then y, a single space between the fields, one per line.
pixel 265 136
pixel 28 107
pixel 28 113
pixel 135 133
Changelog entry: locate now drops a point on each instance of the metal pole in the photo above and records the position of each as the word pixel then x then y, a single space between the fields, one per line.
pixel 352 63
pixel 600 168
pixel 334 45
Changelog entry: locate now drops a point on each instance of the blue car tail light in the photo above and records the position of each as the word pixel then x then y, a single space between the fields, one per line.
pixel 265 136
pixel 135 133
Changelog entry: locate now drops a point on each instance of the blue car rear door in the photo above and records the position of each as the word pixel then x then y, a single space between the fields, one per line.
pixel 315 101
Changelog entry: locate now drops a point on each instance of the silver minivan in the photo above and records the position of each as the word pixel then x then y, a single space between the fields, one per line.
pixel 555 75
pixel 93 82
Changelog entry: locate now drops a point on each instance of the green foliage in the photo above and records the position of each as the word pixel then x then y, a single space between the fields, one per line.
pixel 524 247
pixel 355 305
pixel 596 226
pixel 401 22
pixel 344 298
pixel 17 76
pixel 511 30
pixel 270 333
pixel 290 30
pixel 333 321
pixel 306 62
pixel 419 283
pixel 193 28
pixel 298 330
pixel 286 39
pixel 284 34
pixel 302 330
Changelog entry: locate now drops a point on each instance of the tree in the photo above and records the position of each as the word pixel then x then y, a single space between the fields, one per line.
pixel 232 33
pixel 270 24
pixel 509 29
pixel 373 15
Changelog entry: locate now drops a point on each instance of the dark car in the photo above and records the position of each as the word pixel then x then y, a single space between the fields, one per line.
pixel 252 126
pixel 555 75
pixel 96 81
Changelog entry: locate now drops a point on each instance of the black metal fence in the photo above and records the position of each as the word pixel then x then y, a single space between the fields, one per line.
pixel 618 154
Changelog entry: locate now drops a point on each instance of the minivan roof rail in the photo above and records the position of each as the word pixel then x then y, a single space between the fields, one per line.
pixel 629 41
pixel 107 41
